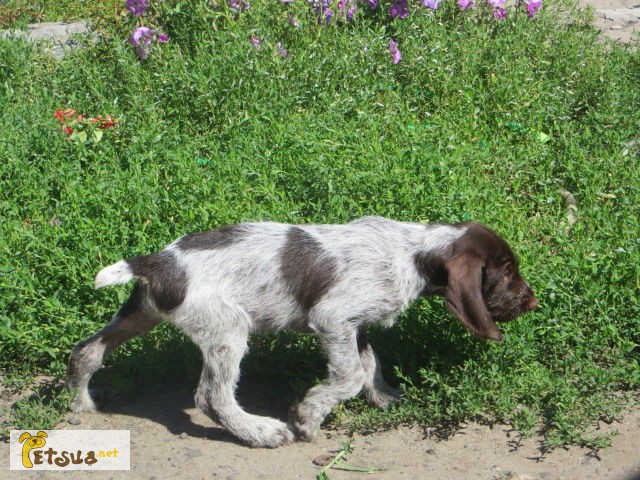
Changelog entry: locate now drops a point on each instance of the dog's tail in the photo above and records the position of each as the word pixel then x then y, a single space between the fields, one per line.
pixel 115 274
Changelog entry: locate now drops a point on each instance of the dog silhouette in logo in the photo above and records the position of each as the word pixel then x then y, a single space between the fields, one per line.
pixel 31 442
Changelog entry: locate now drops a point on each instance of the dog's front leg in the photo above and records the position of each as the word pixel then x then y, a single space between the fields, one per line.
pixel 345 380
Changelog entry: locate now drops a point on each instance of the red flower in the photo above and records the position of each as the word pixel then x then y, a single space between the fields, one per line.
pixel 67 130
pixel 62 115
pixel 107 122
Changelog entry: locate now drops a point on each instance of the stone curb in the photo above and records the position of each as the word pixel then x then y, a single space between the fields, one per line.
pixel 55 35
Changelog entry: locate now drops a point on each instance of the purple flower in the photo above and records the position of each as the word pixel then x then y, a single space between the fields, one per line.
pixel 255 41
pixel 321 8
pixel 432 4
pixel 286 1
pixel 394 50
pixel 238 5
pixel 328 15
pixel 349 11
pixel 464 4
pixel 400 9
pixel 137 7
pixel 532 7
pixel 500 13
pixel 143 37
pixel 282 51
pixel 373 4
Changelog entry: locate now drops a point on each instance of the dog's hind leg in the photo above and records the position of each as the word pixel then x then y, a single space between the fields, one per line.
pixel 134 318
pixel 376 391
pixel 223 342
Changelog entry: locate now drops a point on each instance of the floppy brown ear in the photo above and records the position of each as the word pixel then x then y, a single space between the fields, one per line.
pixel 463 295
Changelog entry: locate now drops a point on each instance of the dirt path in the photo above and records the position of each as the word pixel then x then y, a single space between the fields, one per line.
pixel 616 19
pixel 170 438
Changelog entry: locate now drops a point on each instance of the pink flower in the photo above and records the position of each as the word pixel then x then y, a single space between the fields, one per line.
pixel 394 50
pixel 500 13
pixel 432 4
pixel 464 4
pixel 163 38
pixel 532 7
pixel 255 41
pixel 496 3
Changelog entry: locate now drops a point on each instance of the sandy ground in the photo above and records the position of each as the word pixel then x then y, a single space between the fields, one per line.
pixel 616 19
pixel 170 438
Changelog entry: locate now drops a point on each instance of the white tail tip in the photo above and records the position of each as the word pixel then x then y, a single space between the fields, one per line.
pixel 115 274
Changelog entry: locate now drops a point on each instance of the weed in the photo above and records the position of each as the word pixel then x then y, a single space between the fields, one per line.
pixel 338 462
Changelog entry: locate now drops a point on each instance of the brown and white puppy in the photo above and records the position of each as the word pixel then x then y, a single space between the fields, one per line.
pixel 332 280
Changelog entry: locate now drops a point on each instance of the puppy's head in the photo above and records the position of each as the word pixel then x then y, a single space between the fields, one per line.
pixel 483 282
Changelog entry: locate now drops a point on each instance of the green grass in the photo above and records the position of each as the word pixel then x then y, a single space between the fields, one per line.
pixel 480 120
pixel 21 12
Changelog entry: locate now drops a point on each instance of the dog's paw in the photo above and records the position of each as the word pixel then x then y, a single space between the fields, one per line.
pixel 268 433
pixel 82 401
pixel 305 432
pixel 80 405
pixel 303 423
pixel 382 397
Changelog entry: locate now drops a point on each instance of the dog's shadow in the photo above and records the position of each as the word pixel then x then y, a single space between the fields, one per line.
pixel 275 376
pixel 270 384
pixel 174 407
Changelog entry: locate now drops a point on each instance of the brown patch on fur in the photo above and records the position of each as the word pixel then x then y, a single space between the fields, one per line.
pixel 430 266
pixel 306 268
pixel 166 280
pixel 217 238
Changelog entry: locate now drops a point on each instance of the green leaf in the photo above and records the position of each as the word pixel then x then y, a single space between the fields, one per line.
pixel 97 135
pixel 544 138
pixel 79 137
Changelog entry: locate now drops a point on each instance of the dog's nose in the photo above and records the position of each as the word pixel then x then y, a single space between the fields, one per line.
pixel 533 303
